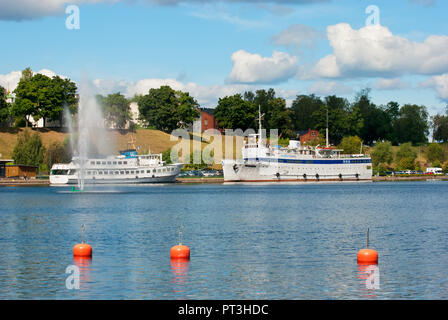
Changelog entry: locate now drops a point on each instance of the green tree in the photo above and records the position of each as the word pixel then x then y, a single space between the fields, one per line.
pixel 435 152
pixel 376 122
pixel 42 97
pixel 4 106
pixel 233 112
pixel 382 153
pixel 276 115
pixel 166 109
pixel 302 109
pixel 342 119
pixel 58 152
pixel 116 109
pixel 412 124
pixel 29 149
pixel 439 124
pixel 406 156
pixel 351 145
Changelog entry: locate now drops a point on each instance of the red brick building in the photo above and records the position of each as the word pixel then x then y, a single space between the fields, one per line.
pixel 207 119
pixel 307 136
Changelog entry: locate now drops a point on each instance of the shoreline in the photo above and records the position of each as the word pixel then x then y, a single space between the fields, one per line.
pixel 205 180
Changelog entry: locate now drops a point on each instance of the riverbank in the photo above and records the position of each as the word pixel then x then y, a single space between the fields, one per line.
pixel 209 180
pixel 28 182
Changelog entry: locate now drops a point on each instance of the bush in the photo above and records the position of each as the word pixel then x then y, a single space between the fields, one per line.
pixel 351 145
pixel 57 153
pixel 435 152
pixel 406 164
pixel 382 153
pixel 405 152
pixel 29 149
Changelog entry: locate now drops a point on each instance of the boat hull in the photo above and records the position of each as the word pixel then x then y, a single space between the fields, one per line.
pixel 240 171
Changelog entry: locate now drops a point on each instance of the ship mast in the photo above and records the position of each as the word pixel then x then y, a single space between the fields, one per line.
pixel 260 116
pixel 326 132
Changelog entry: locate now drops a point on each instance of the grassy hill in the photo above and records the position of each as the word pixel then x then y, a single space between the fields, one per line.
pixel 154 141
pixel 148 140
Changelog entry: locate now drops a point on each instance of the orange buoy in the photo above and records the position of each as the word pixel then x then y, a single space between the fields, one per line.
pixel 82 249
pixel 180 252
pixel 367 256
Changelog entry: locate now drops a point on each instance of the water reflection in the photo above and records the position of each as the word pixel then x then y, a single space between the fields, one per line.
pixel 85 266
pixel 179 270
pixel 369 274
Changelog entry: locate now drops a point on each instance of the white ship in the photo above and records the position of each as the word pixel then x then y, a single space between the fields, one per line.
pixel 126 168
pixel 262 163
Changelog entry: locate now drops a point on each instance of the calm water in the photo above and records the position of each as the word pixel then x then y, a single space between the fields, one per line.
pixel 247 242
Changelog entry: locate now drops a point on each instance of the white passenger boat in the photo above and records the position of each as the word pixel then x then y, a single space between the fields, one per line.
pixel 126 168
pixel 262 163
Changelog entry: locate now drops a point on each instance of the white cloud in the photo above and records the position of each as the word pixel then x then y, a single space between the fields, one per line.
pixel 298 36
pixel 32 9
pixel 390 84
pixel 253 68
pixel 440 84
pixel 325 88
pixel 10 80
pixel 375 51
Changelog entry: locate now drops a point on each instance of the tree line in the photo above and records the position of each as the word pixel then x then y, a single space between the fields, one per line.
pixel 166 109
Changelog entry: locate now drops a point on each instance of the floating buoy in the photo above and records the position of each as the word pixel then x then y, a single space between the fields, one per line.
pixel 367 256
pixel 180 251
pixel 82 249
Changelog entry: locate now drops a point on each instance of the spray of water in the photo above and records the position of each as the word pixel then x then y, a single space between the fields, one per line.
pixel 68 121
pixel 92 134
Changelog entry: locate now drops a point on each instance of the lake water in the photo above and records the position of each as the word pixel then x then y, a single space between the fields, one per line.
pixel 247 241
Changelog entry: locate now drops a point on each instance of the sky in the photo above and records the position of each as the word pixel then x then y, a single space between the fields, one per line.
pixel 215 48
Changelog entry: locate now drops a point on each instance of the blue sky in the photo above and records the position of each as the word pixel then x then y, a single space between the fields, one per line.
pixel 216 48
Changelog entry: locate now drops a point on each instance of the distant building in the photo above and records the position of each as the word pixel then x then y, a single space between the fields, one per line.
pixel 3 163
pixel 205 121
pixel 20 170
pixel 307 136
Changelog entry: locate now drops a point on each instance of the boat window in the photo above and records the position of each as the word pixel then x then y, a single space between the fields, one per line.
pixel 148 171
pixel 119 162
pixel 111 172
pixel 115 162
pixel 104 162
pixel 117 172
pixel 108 162
pixel 100 172
pixel 98 162
pixel 92 162
pixel 125 162
pixel 158 170
pixel 127 172
pixel 154 170
pixel 59 172
pixel 132 172
pixel 88 172
pixel 121 172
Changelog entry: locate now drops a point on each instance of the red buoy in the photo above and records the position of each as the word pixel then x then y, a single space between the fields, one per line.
pixel 82 249
pixel 367 256
pixel 180 252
